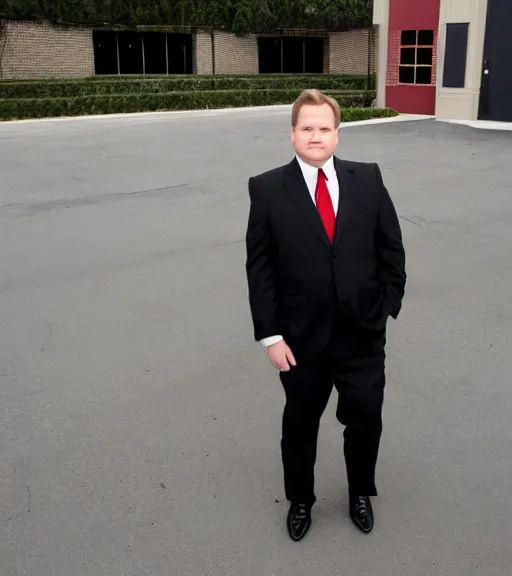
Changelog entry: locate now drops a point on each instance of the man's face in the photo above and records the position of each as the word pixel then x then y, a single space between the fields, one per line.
pixel 315 136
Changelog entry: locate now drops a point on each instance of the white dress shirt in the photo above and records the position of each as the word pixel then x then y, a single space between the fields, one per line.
pixel 310 174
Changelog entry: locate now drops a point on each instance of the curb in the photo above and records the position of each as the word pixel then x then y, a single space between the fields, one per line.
pixel 482 124
pixel 399 118
pixel 281 108
pixel 156 114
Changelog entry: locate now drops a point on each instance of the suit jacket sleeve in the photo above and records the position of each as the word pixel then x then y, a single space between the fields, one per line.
pixel 390 251
pixel 260 268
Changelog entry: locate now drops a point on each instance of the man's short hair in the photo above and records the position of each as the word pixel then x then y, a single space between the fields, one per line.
pixel 316 98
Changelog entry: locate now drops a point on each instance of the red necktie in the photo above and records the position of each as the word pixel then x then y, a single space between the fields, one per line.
pixel 324 205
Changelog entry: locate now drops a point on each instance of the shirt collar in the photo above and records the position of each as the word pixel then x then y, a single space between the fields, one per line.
pixel 312 171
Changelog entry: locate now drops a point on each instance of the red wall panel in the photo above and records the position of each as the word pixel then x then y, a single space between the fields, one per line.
pixel 409 99
pixel 410 15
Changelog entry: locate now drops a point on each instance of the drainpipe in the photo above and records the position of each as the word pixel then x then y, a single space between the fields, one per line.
pixel 3 43
pixel 212 36
pixel 368 82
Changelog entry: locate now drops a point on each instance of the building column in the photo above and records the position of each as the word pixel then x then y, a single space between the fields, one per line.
pixel 461 103
pixel 381 20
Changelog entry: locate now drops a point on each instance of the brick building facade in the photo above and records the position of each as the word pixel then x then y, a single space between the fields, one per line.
pixel 31 50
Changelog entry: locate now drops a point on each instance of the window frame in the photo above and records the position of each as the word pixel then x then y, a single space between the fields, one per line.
pixel 415 66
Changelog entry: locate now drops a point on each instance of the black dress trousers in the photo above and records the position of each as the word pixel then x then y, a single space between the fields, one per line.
pixel 354 363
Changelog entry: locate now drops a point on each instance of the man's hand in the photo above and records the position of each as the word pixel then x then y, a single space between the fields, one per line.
pixel 281 356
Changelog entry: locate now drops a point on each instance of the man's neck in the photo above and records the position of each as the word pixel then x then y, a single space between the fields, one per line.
pixel 316 164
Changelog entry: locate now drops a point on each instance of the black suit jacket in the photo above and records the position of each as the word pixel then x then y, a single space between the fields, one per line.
pixel 299 283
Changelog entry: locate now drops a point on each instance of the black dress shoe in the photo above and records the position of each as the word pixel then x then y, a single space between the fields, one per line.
pixel 361 513
pixel 298 521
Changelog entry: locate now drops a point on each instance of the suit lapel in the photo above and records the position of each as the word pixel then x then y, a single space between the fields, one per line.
pixel 298 190
pixel 348 190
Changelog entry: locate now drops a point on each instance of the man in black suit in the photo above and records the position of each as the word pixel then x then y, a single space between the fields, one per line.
pixel 325 268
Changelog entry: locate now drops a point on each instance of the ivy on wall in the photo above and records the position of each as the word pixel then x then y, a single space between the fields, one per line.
pixel 237 16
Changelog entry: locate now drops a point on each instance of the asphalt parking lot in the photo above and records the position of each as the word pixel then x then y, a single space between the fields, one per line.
pixel 140 423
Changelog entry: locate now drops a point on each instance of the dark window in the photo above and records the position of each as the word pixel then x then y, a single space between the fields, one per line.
pixel 424 75
pixel 416 57
pixel 105 52
pixel 155 59
pixel 424 56
pixel 408 38
pixel 269 55
pixel 314 56
pixel 454 73
pixel 130 52
pixel 406 75
pixel 408 56
pixel 291 55
pixel 426 37
pixel 179 50
pixel 142 53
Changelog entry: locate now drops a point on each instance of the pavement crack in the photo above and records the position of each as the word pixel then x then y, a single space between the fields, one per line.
pixel 21 209
pixel 48 337
pixel 216 483
pixel 29 496
pixel 411 221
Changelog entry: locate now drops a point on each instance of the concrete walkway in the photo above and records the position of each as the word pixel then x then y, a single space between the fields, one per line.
pixel 140 424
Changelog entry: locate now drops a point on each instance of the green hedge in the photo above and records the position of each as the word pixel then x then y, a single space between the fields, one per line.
pixel 125 103
pixel 356 114
pixel 131 85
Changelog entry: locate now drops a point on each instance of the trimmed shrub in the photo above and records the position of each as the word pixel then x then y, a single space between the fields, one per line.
pixel 357 114
pixel 125 103
pixel 98 85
